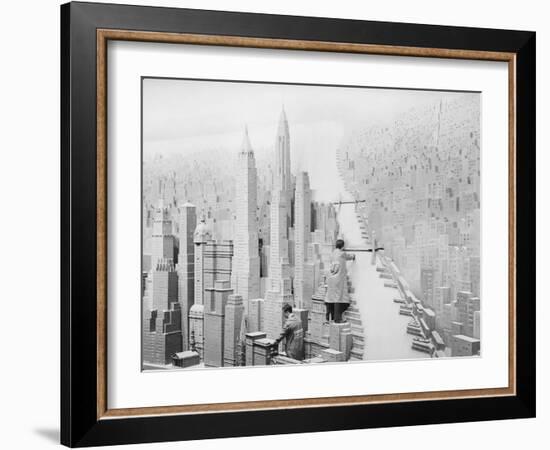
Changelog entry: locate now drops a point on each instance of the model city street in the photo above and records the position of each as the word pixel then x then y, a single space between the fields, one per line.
pixel 379 314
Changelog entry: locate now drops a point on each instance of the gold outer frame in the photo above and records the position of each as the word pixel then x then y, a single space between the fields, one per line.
pixel 104 35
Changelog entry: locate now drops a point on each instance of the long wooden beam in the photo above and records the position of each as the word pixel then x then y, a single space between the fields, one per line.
pixel 349 203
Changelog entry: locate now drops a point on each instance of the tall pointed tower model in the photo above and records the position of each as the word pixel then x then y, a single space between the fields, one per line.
pixel 278 289
pixel 245 278
pixel 282 176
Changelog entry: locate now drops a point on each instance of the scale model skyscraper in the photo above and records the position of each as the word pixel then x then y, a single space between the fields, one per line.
pixel 279 283
pixel 304 269
pixel 246 260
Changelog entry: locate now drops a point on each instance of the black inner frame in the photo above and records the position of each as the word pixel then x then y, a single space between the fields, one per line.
pixel 79 423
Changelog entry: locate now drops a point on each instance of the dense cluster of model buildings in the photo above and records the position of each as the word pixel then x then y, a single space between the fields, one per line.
pixel 420 178
pixel 225 246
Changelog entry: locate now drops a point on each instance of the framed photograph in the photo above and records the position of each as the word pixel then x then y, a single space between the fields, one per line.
pixel 276 224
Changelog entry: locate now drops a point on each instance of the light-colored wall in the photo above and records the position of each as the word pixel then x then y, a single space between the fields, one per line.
pixel 29 161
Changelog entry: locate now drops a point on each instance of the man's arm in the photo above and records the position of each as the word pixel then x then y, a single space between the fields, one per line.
pixel 349 257
pixel 284 333
pixel 334 268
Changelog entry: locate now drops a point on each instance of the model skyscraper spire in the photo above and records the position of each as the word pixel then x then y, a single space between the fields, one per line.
pixel 246 147
pixel 281 194
pixel 246 260
pixel 282 177
pixel 279 285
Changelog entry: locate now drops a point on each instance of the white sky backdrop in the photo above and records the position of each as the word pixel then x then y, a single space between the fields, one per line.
pixel 183 116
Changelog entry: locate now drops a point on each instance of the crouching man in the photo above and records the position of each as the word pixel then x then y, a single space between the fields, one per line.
pixel 293 334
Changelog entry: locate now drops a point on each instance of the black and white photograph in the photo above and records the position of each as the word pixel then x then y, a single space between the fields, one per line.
pixel 290 224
